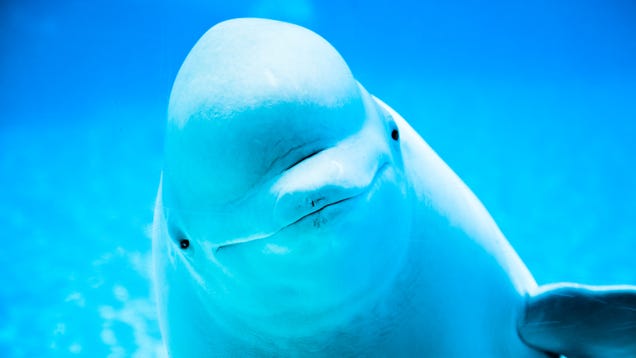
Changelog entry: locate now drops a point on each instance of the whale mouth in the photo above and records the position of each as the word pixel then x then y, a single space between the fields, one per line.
pixel 320 209
pixel 310 215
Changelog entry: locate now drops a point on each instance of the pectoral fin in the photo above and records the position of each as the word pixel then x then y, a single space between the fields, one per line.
pixel 581 321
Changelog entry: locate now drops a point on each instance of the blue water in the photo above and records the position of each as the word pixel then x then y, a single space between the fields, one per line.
pixel 532 103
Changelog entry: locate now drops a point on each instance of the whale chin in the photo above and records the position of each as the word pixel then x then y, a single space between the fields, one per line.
pixel 313 271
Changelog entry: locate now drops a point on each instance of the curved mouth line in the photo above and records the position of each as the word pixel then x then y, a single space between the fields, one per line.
pixel 321 209
pixel 265 236
pixel 337 202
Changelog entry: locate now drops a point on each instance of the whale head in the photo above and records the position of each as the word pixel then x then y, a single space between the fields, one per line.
pixel 283 196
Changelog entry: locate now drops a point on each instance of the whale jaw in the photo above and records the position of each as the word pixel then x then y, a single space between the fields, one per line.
pixel 314 210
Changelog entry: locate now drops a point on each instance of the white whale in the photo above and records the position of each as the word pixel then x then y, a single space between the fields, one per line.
pixel 298 215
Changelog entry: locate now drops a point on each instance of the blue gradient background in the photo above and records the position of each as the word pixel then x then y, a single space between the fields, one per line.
pixel 532 103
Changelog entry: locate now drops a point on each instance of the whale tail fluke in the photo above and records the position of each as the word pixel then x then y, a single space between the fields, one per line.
pixel 581 321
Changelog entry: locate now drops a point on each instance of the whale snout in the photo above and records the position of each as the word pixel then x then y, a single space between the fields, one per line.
pixel 322 181
pixel 294 206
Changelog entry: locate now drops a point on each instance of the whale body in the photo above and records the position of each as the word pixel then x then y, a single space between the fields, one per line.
pixel 298 215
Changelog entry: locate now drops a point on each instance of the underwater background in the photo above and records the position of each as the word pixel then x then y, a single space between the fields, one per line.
pixel 532 103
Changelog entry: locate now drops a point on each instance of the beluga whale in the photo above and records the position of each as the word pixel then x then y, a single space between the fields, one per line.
pixel 298 215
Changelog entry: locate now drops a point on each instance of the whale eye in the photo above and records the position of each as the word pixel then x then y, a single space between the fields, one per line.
pixel 395 134
pixel 180 238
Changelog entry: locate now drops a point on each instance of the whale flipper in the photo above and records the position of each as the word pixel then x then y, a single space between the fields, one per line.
pixel 581 321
